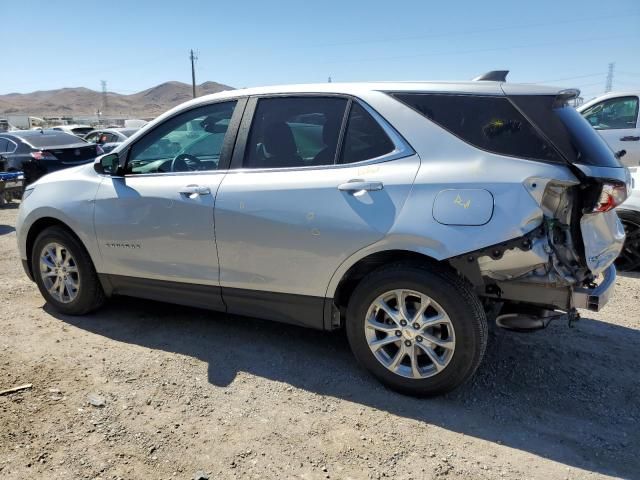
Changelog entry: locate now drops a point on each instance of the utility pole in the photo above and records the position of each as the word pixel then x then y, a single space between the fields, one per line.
pixel 609 85
pixel 104 98
pixel 193 58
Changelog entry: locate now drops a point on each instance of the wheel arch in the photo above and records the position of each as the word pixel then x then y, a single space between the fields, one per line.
pixel 341 288
pixel 38 227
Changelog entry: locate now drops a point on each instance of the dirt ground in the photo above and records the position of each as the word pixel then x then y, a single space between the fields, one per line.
pixel 193 393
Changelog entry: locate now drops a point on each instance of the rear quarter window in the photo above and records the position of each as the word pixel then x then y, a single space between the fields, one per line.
pixel 490 123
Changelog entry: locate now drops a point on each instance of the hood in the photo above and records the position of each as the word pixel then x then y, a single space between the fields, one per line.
pixel 81 171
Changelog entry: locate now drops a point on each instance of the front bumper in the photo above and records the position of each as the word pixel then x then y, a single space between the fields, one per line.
pixel 596 298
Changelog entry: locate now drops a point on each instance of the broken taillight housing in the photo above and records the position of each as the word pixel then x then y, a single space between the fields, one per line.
pixel 611 196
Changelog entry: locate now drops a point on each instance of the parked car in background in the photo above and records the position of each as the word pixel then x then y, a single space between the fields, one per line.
pixel 629 213
pixel 38 152
pixel 401 211
pixel 615 117
pixel 109 138
pixel 77 130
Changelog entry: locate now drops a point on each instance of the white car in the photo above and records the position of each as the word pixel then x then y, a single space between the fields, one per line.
pixel 77 130
pixel 615 117
pixel 629 214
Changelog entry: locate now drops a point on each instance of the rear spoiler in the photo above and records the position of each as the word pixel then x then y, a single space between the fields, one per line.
pixel 493 76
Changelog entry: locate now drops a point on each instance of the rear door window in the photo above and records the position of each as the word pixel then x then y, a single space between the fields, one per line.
pixel 488 122
pixel 364 138
pixel 294 132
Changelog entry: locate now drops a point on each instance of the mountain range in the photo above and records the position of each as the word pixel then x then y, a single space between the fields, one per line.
pixel 83 101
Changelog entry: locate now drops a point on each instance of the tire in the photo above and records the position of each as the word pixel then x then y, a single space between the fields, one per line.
pixel 462 328
pixel 79 270
pixel 629 258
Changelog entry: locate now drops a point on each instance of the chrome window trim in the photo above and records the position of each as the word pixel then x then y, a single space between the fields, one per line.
pixel 402 148
pixel 172 174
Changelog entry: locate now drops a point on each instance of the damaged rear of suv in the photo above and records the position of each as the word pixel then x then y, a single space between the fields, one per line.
pixel 564 261
pixel 576 234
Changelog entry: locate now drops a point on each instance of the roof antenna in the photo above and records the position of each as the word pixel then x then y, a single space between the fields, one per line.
pixel 493 76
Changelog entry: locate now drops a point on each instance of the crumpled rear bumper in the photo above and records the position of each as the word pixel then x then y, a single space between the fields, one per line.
pixel 603 237
pixel 596 298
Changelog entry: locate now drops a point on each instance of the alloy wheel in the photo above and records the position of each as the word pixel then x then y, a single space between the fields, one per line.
pixel 410 334
pixel 59 272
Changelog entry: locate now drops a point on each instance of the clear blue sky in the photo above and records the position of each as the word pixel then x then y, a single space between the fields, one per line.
pixel 135 45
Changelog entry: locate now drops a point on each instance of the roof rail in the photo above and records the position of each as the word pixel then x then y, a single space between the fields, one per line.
pixel 493 76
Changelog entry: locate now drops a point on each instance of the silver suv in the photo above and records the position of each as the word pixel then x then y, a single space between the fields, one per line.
pixel 404 212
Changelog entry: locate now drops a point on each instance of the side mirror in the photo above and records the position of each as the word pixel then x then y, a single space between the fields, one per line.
pixel 107 164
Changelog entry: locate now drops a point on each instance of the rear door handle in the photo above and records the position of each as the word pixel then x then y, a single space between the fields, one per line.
pixel 630 138
pixel 195 190
pixel 354 186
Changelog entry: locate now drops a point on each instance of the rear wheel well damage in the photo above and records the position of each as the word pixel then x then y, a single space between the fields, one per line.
pixel 359 270
pixel 38 226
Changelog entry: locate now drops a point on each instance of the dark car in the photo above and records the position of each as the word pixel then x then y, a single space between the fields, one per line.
pixel 38 152
pixel 109 138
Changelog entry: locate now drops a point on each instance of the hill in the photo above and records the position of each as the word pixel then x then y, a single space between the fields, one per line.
pixel 83 101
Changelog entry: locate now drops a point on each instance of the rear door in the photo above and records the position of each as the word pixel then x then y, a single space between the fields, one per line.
pixel 314 179
pixel 154 225
pixel 616 119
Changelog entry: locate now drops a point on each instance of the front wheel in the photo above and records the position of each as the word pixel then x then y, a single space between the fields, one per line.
pixel 419 329
pixel 64 272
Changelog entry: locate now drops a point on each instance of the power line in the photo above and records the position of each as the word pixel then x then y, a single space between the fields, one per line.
pixel 457 33
pixel 599 74
pixel 480 50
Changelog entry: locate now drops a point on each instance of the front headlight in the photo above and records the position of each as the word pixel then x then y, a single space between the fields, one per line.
pixel 28 191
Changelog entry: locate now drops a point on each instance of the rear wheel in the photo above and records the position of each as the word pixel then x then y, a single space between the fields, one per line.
pixel 629 258
pixel 419 330
pixel 64 273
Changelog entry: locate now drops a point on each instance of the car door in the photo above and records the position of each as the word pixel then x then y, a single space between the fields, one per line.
pixel 313 180
pixel 616 119
pixel 154 224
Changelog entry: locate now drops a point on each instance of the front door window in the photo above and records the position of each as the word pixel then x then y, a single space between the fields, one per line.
pixel 191 141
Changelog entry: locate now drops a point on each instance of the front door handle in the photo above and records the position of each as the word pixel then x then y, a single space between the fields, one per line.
pixel 194 190
pixel 354 186
pixel 630 138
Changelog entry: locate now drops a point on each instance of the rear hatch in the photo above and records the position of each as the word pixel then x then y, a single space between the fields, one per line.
pixel 604 182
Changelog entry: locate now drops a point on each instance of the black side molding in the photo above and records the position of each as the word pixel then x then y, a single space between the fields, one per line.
pixel 189 294
pixel 303 310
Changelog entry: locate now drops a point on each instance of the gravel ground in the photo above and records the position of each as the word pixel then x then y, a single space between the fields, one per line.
pixel 186 393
